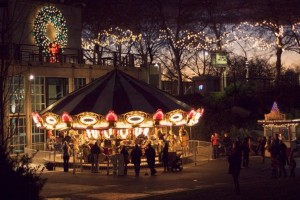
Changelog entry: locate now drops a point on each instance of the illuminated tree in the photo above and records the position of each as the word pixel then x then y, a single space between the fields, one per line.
pixel 117 40
pixel 178 31
pixel 273 28
pixel 149 44
pixel 268 36
pixel 295 33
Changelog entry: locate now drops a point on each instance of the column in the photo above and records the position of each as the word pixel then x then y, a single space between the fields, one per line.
pixel 27 85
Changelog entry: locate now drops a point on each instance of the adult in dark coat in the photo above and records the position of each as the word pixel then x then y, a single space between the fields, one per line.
pixel 165 157
pixel 282 158
pixel 136 155
pixel 125 154
pixel 235 165
pixel 95 152
pixel 66 155
pixel 150 155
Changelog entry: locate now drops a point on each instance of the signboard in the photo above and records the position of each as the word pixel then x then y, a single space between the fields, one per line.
pixel 219 59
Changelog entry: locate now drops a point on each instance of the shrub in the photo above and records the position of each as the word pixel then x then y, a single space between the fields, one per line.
pixel 18 179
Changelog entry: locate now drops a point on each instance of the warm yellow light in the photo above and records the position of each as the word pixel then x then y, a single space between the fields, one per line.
pixel 51 120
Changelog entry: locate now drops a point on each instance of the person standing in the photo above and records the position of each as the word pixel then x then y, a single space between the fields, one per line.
pixel 261 150
pixel 165 157
pixel 292 164
pixel 95 152
pixel 274 151
pixel 282 158
pixel 150 155
pixel 234 161
pixel 227 143
pixel 215 141
pixel 136 155
pixel 66 155
pixel 125 154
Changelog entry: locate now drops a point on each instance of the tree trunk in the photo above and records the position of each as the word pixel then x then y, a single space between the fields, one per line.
pixel 179 74
pixel 278 65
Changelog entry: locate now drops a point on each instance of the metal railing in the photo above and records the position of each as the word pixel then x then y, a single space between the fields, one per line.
pixel 196 152
pixel 29 54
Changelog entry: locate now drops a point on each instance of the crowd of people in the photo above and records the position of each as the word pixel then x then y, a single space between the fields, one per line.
pixel 238 151
pixel 120 154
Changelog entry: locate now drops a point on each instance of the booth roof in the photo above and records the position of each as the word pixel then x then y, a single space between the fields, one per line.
pixel 119 92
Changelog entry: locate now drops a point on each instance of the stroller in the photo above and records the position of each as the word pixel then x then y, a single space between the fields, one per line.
pixel 176 164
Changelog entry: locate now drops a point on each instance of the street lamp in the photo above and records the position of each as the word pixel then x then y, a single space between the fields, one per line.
pixel 31 77
pixel 205 55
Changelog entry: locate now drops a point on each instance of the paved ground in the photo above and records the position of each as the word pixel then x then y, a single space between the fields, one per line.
pixel 208 180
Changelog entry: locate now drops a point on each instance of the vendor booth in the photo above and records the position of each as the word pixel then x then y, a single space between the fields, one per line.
pixel 118 110
pixel 275 122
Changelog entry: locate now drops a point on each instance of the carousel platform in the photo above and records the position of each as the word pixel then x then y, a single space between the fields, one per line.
pixel 105 163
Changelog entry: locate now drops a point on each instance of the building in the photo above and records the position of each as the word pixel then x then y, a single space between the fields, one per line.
pixel 41 48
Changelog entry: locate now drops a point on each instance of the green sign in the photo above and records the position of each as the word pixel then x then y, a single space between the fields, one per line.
pixel 219 59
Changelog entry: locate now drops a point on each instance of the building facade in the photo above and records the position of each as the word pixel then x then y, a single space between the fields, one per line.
pixel 45 62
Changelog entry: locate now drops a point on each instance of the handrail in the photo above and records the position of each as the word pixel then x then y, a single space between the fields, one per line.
pixel 32 53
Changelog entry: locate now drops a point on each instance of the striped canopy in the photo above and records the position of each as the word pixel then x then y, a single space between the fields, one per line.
pixel 116 100
pixel 119 92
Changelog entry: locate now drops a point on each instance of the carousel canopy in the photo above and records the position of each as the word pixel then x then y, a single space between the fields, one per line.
pixel 115 99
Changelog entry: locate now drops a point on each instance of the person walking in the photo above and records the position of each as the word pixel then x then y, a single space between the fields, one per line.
pixel 136 155
pixel 125 154
pixel 165 157
pixel 95 152
pixel 150 156
pixel 215 141
pixel 246 152
pixel 282 158
pixel 234 161
pixel 66 155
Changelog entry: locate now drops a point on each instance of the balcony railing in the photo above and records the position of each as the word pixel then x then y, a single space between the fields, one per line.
pixel 24 54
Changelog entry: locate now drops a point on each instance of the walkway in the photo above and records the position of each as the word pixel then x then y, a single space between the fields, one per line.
pixel 208 180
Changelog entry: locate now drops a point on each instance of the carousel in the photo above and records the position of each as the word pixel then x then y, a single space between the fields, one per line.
pixel 116 110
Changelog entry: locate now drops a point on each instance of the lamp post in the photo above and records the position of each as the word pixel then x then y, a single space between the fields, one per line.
pixel 205 55
pixel 247 69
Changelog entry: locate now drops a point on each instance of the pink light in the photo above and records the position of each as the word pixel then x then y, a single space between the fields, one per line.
pixel 66 117
pixel 36 117
pixel 191 114
pixel 111 116
pixel 159 115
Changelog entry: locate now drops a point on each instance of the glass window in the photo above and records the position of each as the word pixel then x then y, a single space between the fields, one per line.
pixel 16 95
pixel 79 83
pixel 17 130
pixel 38 101
pixel 56 88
